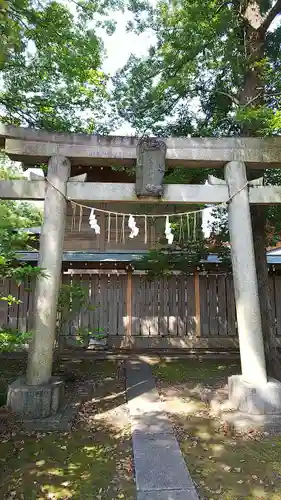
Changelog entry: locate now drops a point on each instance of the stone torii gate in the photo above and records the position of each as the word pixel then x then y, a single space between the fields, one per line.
pixel 38 394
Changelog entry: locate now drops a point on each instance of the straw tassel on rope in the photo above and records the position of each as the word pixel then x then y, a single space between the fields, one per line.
pixel 108 227
pixel 73 206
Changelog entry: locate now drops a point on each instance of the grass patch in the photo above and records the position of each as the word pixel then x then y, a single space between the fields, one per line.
pixel 224 465
pixel 75 466
pixel 185 370
pixel 94 460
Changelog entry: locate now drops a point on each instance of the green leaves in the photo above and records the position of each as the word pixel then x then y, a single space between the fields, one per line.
pixel 197 69
pixel 11 340
pixel 52 79
pixel 10 300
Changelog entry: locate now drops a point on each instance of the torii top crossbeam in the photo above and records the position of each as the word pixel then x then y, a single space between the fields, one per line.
pixel 34 146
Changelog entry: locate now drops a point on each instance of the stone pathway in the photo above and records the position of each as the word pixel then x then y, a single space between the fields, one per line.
pixel 161 473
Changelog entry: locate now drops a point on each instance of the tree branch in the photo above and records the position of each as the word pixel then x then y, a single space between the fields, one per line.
pixel 232 97
pixel 275 10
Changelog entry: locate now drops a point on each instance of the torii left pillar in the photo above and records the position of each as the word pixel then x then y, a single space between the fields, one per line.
pixel 39 394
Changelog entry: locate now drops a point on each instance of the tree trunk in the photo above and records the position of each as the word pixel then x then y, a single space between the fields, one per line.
pixel 252 95
pixel 272 359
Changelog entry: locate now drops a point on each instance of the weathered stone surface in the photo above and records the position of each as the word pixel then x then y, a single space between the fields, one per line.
pixel 159 464
pixel 62 421
pixel 83 149
pixel 151 422
pixel 254 399
pixel 245 276
pixel 115 192
pixel 168 495
pixel 35 401
pixel 22 190
pixel 150 167
pixel 40 359
pixel 172 193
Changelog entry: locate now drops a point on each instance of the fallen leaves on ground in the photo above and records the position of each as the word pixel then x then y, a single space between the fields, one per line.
pixel 224 464
pixel 94 460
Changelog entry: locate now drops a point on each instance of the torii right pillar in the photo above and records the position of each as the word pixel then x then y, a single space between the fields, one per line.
pixel 251 393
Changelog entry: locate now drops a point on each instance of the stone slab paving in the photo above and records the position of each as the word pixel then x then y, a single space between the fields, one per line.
pixel 161 472
pixel 168 495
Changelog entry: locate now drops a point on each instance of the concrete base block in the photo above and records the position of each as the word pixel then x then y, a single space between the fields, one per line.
pixel 35 402
pixel 253 399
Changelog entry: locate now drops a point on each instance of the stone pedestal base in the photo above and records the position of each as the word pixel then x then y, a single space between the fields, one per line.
pixel 255 400
pixel 36 402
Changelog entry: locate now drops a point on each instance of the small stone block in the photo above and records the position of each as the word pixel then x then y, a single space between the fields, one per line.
pixel 35 402
pixel 255 400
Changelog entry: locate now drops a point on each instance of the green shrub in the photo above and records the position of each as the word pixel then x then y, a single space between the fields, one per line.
pixel 13 340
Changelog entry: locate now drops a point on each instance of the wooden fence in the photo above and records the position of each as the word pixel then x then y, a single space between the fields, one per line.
pixel 195 310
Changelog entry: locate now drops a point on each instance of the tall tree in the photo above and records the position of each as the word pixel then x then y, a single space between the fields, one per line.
pixel 50 62
pixel 214 70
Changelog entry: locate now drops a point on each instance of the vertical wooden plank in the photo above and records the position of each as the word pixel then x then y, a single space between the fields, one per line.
pixel 154 308
pixel 182 309
pixel 197 304
pixel 129 305
pixel 22 308
pixel 172 294
pixel 107 305
pixel 103 303
pixel 213 305
pixel 84 312
pixel 113 305
pixel 13 309
pixel 147 299
pixel 4 291
pixel 277 288
pixel 76 316
pixel 100 302
pixel 67 335
pixel 193 318
pixel 123 300
pixel 230 301
pixel 222 310
pixel 122 304
pixel 204 306
pixel 163 306
pixel 136 304
pixel 144 306
pixel 94 313
pixel 149 291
